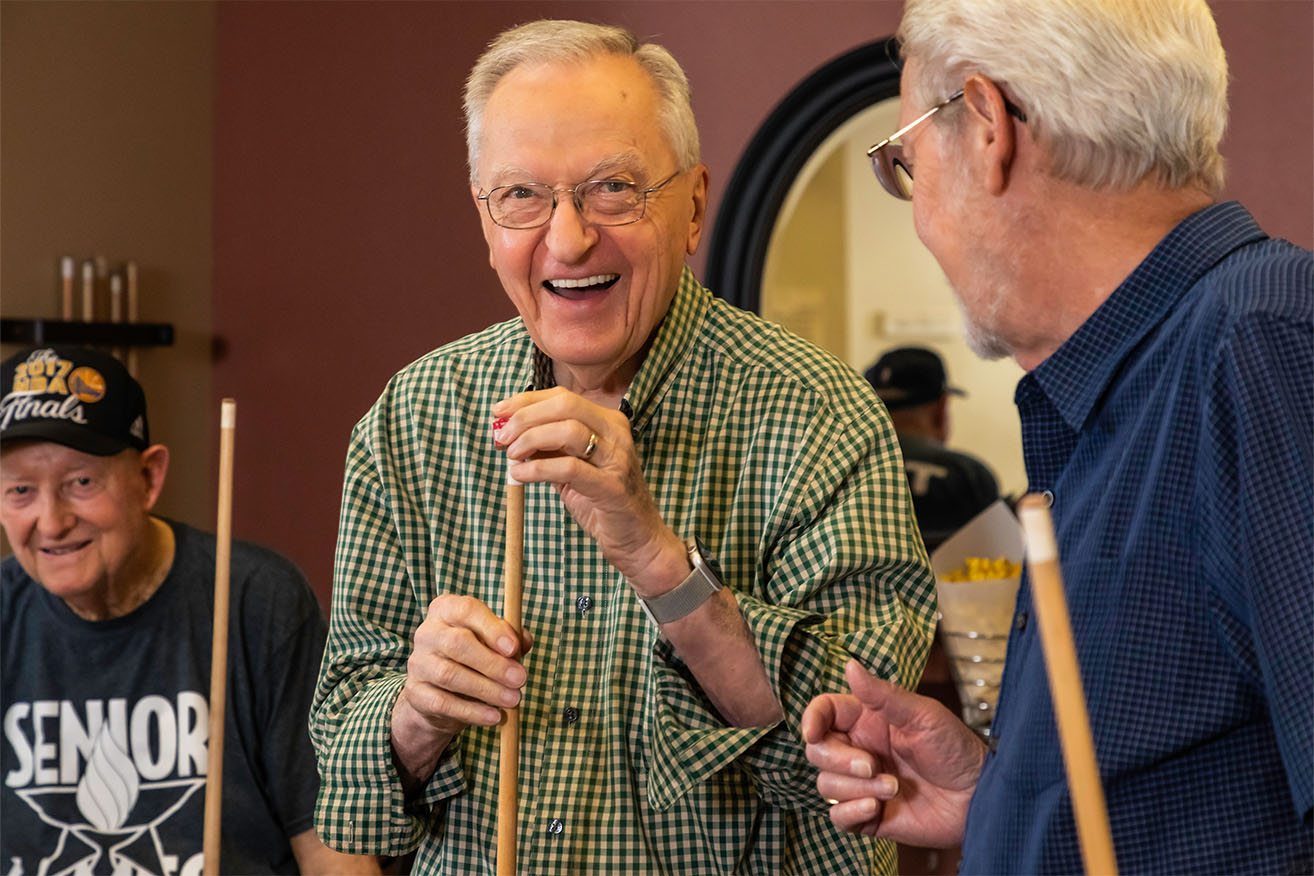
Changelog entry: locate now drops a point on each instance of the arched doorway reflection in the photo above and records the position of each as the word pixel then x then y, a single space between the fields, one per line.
pixel 806 237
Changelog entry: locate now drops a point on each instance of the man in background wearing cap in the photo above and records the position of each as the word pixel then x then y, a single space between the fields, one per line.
pixel 948 488
pixel 106 614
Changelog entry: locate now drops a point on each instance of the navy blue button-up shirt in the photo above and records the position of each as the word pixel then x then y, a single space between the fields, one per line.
pixel 1175 429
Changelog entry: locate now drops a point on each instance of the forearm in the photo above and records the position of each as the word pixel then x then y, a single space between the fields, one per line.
pixel 713 641
pixel 717 646
pixel 313 857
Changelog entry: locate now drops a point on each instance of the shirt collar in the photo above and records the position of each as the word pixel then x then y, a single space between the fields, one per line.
pixel 669 350
pixel 675 335
pixel 1077 374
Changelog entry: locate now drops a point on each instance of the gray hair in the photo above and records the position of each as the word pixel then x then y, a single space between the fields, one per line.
pixel 561 42
pixel 1116 91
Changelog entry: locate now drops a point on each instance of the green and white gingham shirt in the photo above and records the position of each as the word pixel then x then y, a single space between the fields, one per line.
pixel 777 455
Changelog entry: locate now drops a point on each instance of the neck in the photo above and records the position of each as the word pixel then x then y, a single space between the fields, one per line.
pixel 1079 247
pixel 141 576
pixel 604 384
pixel 600 386
pixel 920 421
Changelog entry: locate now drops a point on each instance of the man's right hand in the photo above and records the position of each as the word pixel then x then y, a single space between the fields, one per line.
pixel 464 669
pixel 896 764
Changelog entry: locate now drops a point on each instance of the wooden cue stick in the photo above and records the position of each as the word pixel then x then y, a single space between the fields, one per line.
pixel 88 290
pixel 131 270
pixel 66 271
pixel 219 650
pixel 508 792
pixel 116 307
pixel 1065 687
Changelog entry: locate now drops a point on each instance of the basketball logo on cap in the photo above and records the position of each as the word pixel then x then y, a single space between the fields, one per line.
pixel 87 384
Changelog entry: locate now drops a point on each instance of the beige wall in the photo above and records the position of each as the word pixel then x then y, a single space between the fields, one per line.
pixel 105 149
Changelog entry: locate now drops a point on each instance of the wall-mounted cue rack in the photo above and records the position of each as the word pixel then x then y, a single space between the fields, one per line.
pixel 106 291
pixel 103 334
pixel 87 334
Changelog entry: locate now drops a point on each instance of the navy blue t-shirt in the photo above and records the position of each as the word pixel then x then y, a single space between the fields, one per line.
pixel 106 723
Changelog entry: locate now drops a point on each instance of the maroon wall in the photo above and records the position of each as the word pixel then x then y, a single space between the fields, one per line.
pixel 346 244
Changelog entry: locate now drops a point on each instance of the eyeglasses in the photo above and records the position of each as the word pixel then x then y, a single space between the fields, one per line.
pixel 598 202
pixel 888 161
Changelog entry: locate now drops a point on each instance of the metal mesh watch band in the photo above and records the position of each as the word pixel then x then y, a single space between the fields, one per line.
pixel 703 581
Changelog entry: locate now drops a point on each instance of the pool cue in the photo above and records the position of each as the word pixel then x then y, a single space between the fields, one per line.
pixel 66 272
pixel 214 770
pixel 88 291
pixel 116 307
pixel 130 269
pixel 508 792
pixel 1065 688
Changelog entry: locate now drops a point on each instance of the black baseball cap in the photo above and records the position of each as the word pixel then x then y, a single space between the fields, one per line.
pixel 73 396
pixel 909 376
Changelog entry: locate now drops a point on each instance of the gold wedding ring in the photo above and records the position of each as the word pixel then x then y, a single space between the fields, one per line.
pixel 590 447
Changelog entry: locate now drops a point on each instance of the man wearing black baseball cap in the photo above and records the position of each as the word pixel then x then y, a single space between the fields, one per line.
pixel 948 488
pixel 106 626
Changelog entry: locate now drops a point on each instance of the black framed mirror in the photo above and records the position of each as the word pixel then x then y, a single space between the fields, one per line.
pixel 806 238
pixel 778 152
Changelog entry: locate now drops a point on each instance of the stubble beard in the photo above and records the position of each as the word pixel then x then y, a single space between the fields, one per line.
pixel 983 340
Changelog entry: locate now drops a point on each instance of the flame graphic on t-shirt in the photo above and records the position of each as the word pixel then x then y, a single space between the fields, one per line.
pixel 109 787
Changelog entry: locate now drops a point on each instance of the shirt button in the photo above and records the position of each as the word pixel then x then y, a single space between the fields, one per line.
pixel 1020 622
pixel 1048 496
pixel 571 714
pixel 584 603
pixel 556 826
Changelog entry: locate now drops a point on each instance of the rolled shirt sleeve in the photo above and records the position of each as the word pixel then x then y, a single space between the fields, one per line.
pixel 845 579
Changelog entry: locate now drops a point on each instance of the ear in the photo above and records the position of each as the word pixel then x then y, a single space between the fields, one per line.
pixel 701 178
pixel 154 464
pixel 992 131
pixel 485 222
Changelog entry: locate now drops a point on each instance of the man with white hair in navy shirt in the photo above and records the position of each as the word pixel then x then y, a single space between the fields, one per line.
pixel 1066 163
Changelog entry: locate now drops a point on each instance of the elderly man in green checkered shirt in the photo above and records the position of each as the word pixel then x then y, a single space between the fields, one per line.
pixel 716 521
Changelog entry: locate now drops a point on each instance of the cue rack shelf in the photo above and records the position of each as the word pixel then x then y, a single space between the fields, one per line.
pixel 38 330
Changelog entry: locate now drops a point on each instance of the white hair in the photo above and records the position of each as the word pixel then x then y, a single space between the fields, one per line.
pixel 1116 91
pixel 559 42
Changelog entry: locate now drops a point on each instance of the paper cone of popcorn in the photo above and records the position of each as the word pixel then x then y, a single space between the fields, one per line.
pixel 977 571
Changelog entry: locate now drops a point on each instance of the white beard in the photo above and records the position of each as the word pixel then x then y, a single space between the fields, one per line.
pixel 985 342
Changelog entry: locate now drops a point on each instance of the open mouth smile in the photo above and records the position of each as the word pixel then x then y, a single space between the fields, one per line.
pixel 582 288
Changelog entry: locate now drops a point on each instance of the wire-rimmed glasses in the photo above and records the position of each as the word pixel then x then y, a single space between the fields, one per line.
pixel 888 161
pixel 598 201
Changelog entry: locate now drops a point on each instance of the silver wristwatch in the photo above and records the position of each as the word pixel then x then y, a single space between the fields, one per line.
pixel 703 581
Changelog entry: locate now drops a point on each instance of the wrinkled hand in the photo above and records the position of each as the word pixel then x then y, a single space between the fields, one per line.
pixel 464 666
pixel 547 439
pixel 899 765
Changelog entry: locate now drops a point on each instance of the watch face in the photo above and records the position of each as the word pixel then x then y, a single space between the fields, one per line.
pixel 708 560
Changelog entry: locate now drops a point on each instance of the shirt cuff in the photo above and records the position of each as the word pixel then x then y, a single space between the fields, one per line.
pixel 691 742
pixel 361 807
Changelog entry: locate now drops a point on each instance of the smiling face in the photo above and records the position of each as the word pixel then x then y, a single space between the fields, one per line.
pixel 78 523
pixel 590 296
